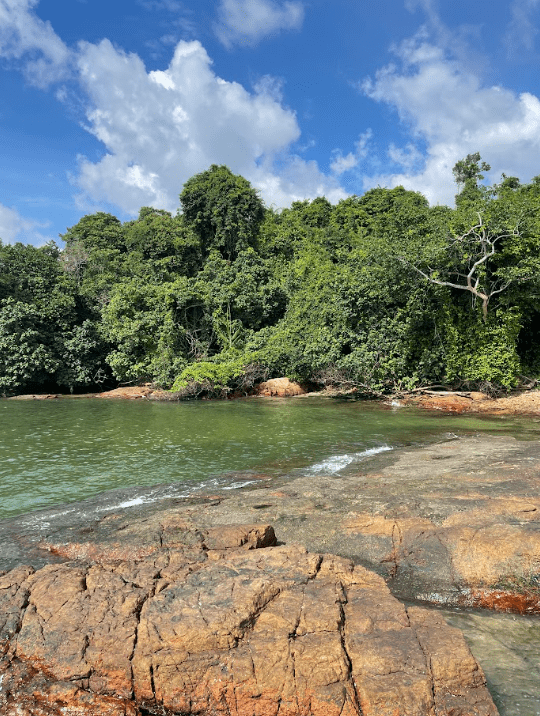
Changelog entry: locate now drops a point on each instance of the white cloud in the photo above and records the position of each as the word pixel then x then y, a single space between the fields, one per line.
pixel 246 22
pixel 296 180
pixel 341 164
pixel 522 30
pixel 447 107
pixel 270 86
pixel 408 157
pixel 27 38
pixel 161 127
pixel 14 227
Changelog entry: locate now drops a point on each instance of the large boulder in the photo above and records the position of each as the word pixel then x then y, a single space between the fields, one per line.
pixel 280 388
pixel 217 622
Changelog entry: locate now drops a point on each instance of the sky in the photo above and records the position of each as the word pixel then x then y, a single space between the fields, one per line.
pixel 110 106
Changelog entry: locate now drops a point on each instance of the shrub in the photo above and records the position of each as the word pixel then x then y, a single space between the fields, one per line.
pixel 218 379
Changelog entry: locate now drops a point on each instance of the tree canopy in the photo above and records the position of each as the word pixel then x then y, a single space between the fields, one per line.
pixel 223 210
pixel 381 292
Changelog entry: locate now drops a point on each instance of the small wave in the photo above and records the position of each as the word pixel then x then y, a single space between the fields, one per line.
pixel 238 485
pixel 177 491
pixel 336 463
pixel 129 503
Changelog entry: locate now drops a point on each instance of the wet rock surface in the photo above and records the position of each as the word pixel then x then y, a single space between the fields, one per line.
pixel 219 621
pixel 457 522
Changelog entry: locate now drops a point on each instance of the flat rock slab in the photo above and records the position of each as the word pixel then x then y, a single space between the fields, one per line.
pixel 523 403
pixel 218 623
pixel 457 522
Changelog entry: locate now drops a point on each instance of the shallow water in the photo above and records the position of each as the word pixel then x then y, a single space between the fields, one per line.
pixel 508 648
pixel 55 452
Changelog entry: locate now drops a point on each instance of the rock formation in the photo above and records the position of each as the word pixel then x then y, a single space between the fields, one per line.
pixel 457 522
pixel 218 622
pixel 280 388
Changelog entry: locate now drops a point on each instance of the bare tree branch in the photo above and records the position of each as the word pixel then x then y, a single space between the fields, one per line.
pixel 485 246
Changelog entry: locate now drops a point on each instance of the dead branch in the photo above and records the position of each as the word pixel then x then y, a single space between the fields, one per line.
pixel 479 236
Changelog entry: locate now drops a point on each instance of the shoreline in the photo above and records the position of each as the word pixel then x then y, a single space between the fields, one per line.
pixel 455 523
pixel 526 402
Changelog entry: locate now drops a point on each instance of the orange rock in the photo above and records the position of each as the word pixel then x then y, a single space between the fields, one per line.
pixel 280 388
pixel 499 600
pixel 526 402
pixel 132 392
pixel 449 403
pixel 253 633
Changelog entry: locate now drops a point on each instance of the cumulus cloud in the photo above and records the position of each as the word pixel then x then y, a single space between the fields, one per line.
pixel 161 127
pixel 522 30
pixel 26 38
pixel 296 180
pixel 408 157
pixel 246 22
pixel 14 227
pixel 341 164
pixel 449 110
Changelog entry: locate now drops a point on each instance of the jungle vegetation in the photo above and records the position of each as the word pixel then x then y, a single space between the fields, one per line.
pixel 381 292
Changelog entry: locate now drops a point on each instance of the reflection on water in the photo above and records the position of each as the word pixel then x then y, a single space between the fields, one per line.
pixel 53 452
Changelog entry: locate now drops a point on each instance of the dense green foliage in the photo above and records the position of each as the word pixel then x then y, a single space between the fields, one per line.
pixel 381 292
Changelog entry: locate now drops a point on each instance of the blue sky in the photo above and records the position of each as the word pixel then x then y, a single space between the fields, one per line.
pixel 113 105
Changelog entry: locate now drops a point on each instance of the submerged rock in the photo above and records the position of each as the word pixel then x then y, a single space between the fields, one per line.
pixel 218 622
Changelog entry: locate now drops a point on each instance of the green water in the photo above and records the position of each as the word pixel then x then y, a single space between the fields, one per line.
pixel 55 452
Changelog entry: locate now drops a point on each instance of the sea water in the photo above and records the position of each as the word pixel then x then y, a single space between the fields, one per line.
pixel 54 452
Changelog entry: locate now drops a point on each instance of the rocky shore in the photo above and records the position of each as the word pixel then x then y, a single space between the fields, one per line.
pixel 280 598
pixel 520 403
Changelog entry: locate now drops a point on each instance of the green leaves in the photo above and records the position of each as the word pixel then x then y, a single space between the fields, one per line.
pixel 372 293
pixel 47 333
pixel 223 210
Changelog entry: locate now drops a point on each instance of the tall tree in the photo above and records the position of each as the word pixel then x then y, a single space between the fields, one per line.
pixel 468 173
pixel 223 209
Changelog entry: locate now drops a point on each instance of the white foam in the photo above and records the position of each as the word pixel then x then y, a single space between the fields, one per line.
pixel 331 465
pixel 336 463
pixel 128 503
pixel 132 503
pixel 237 485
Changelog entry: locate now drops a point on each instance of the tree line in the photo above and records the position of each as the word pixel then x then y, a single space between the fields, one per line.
pixel 381 292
